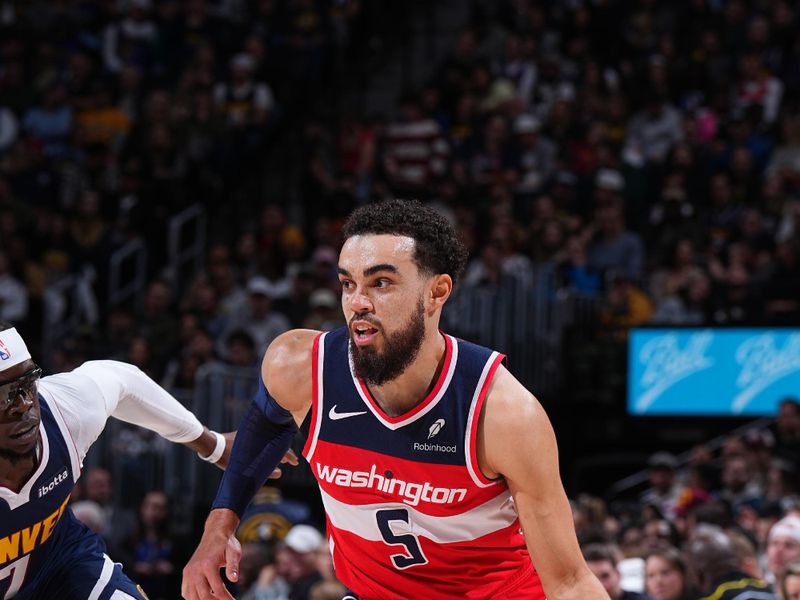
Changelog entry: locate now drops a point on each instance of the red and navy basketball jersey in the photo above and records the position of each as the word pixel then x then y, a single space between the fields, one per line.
pixel 36 520
pixel 409 513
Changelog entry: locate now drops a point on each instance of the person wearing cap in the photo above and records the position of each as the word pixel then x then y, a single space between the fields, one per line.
pixel 536 155
pixel 716 568
pixel 297 560
pixel 664 489
pixel 431 458
pixel 323 314
pixel 260 321
pixel 783 545
pixel 47 426
pixel 246 102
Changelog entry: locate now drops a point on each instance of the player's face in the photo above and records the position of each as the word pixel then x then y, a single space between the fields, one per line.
pixel 382 300
pixel 19 409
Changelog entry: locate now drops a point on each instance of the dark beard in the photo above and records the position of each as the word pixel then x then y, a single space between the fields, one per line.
pixel 401 348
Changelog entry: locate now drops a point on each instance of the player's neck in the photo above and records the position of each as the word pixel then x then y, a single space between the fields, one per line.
pixel 404 392
pixel 16 471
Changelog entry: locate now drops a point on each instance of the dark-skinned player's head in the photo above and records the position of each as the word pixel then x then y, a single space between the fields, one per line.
pixel 19 404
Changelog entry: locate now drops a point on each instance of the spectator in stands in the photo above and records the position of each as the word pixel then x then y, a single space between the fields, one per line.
pixel 666 575
pixel 325 565
pixel 258 575
pixel 602 561
pixel 664 487
pixel 327 590
pixel 415 149
pixel 221 275
pixel 574 272
pixel 90 514
pixel 296 560
pixel 153 551
pixel 259 320
pixel 156 322
pixel 51 121
pixel 789 582
pixel 246 102
pixel 653 131
pixel 131 39
pixel 535 155
pixel 614 248
pixel 324 313
pixel 241 349
pixel 757 87
pixel 658 531
pixel 13 294
pixel 738 483
pixel 715 566
pixel 787 430
pixel 746 552
pixel 783 545
pixel 626 305
pixel 118 523
pixel 782 285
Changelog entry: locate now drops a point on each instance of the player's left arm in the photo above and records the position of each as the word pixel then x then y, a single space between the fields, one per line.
pixel 87 396
pixel 516 441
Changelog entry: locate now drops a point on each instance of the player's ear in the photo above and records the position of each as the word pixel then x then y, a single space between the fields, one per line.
pixel 440 288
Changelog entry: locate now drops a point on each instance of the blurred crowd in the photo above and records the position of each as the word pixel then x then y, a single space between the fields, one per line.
pixel 648 153
pixel 722 523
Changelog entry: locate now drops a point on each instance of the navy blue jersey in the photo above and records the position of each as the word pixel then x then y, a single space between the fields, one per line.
pixel 31 522
pixel 45 552
pixel 409 512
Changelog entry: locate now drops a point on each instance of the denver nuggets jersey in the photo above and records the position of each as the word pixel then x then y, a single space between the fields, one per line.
pixel 34 519
pixel 409 513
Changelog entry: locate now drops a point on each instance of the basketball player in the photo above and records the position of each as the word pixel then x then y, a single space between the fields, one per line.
pixel 46 428
pixel 431 458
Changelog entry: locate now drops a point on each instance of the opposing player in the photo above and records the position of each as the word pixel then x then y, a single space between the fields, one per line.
pixel 46 427
pixel 437 468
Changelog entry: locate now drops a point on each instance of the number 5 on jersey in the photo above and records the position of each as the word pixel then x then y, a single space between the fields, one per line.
pixel 408 540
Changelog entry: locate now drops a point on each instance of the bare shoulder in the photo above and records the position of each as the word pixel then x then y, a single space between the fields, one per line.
pixel 512 423
pixel 286 368
pixel 509 404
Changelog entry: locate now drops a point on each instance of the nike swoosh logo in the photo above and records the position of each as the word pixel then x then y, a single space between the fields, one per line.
pixel 335 416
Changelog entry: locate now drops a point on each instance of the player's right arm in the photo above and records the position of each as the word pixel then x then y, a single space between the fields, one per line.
pixel 264 436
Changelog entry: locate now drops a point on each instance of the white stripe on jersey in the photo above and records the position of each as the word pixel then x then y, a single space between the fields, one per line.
pixel 105 577
pixel 468 441
pixel 317 402
pixel 359 519
pixel 74 459
pixel 442 390
pixel 15 500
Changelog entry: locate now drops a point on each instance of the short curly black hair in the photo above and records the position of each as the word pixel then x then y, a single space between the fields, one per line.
pixel 437 247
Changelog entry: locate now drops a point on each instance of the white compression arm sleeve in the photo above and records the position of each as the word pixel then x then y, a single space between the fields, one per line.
pixel 87 396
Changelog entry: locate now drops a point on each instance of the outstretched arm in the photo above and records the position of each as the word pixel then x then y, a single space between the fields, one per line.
pixel 263 437
pixel 516 441
pixel 87 396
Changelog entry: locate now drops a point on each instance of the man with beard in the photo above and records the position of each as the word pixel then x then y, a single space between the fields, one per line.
pixel 46 428
pixel 430 456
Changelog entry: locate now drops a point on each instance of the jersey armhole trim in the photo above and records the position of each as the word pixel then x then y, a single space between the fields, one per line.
pixel 489 369
pixel 72 446
pixel 317 363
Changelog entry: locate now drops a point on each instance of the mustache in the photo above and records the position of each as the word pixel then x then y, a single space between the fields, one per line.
pixel 366 318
